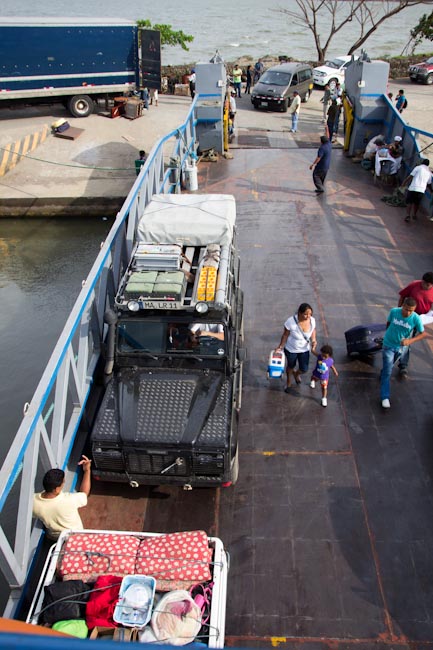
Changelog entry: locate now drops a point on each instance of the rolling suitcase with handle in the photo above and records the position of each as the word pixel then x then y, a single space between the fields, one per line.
pixel 365 339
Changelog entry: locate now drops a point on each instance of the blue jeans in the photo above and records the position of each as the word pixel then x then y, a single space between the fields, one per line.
pixel 237 86
pixel 295 117
pixel 390 356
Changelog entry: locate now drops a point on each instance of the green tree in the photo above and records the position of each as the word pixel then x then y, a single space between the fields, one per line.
pixel 424 29
pixel 169 36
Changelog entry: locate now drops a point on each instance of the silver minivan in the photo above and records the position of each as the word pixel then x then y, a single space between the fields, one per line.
pixel 275 87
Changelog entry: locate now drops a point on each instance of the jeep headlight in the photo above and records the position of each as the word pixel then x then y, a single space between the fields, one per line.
pixel 202 307
pixel 133 305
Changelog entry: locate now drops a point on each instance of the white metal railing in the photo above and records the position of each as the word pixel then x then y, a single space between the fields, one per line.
pixel 51 421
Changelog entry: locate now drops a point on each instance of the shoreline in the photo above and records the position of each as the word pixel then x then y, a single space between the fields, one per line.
pixel 398 65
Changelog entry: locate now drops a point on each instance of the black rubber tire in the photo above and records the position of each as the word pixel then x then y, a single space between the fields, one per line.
pixel 306 97
pixel 81 105
pixel 285 105
pixel 429 80
pixel 332 83
pixel 414 81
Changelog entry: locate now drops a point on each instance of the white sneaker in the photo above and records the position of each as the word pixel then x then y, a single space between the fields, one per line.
pixel 312 384
pixel 324 401
pixel 386 404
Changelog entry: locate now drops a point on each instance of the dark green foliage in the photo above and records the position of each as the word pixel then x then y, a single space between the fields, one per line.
pixel 168 35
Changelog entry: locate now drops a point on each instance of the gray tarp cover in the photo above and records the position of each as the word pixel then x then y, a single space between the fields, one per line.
pixel 192 219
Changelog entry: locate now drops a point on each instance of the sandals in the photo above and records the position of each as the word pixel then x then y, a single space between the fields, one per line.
pixel 202 596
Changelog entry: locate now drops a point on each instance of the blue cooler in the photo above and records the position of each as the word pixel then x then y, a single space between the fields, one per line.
pixel 276 364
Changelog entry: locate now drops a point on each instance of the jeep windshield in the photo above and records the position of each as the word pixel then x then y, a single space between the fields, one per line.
pixel 148 337
pixel 275 78
pixel 335 63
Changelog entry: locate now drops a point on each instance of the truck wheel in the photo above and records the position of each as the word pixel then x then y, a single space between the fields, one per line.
pixel 429 79
pixel 285 105
pixel 332 83
pixel 81 105
pixel 306 97
pixel 235 467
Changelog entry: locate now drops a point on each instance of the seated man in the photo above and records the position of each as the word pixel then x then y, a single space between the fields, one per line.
pixel 396 148
pixel 213 330
pixel 373 145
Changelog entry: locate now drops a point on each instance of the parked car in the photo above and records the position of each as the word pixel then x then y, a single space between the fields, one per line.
pixel 332 71
pixel 422 72
pixel 275 87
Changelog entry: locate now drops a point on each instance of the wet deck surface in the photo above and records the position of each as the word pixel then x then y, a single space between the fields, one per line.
pixel 330 527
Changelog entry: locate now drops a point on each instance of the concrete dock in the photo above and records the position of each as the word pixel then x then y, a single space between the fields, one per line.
pixel 94 173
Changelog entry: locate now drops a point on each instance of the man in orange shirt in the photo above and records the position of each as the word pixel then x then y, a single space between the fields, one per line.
pixel 422 292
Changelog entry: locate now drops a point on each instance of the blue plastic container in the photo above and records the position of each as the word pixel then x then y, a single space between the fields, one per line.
pixel 134 607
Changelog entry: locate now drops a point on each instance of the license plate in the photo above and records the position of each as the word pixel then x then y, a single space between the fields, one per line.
pixel 159 304
pixel 263 103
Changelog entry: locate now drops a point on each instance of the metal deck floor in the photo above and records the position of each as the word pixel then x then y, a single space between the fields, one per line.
pixel 330 527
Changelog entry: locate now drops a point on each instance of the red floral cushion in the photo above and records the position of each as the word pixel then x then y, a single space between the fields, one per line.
pixel 89 555
pixel 177 560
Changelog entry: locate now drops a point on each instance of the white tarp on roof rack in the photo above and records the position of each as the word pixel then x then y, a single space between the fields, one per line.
pixel 194 220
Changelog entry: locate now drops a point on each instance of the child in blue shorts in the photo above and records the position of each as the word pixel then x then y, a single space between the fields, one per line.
pixel 324 364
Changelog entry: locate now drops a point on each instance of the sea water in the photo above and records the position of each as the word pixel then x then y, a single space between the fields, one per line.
pixel 248 28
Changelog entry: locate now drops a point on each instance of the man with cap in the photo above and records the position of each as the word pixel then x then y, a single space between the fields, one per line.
pixel 232 106
pixel 396 147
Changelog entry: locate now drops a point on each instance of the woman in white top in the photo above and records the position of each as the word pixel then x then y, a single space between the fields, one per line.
pixel 298 335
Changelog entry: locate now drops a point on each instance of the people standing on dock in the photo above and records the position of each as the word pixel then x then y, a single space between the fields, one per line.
pixel 321 164
pixel 324 364
pixel 295 108
pixel 249 75
pixel 144 95
pixel 403 328
pixel 299 334
pixel 232 107
pixel 237 79
pixel 192 83
pixel 258 70
pixel 58 510
pixel 401 101
pixel 325 100
pixel 419 178
pixel 332 114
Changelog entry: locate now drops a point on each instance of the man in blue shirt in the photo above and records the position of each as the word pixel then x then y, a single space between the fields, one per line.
pixel 321 164
pixel 400 102
pixel 402 323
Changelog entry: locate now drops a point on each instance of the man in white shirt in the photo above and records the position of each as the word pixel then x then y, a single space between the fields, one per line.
pixel 58 510
pixel 214 330
pixel 295 107
pixel 419 178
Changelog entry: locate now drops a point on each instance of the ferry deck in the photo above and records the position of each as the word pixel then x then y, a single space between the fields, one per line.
pixel 330 526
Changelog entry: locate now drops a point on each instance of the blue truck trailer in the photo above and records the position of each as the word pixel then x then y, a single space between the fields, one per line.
pixel 75 61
